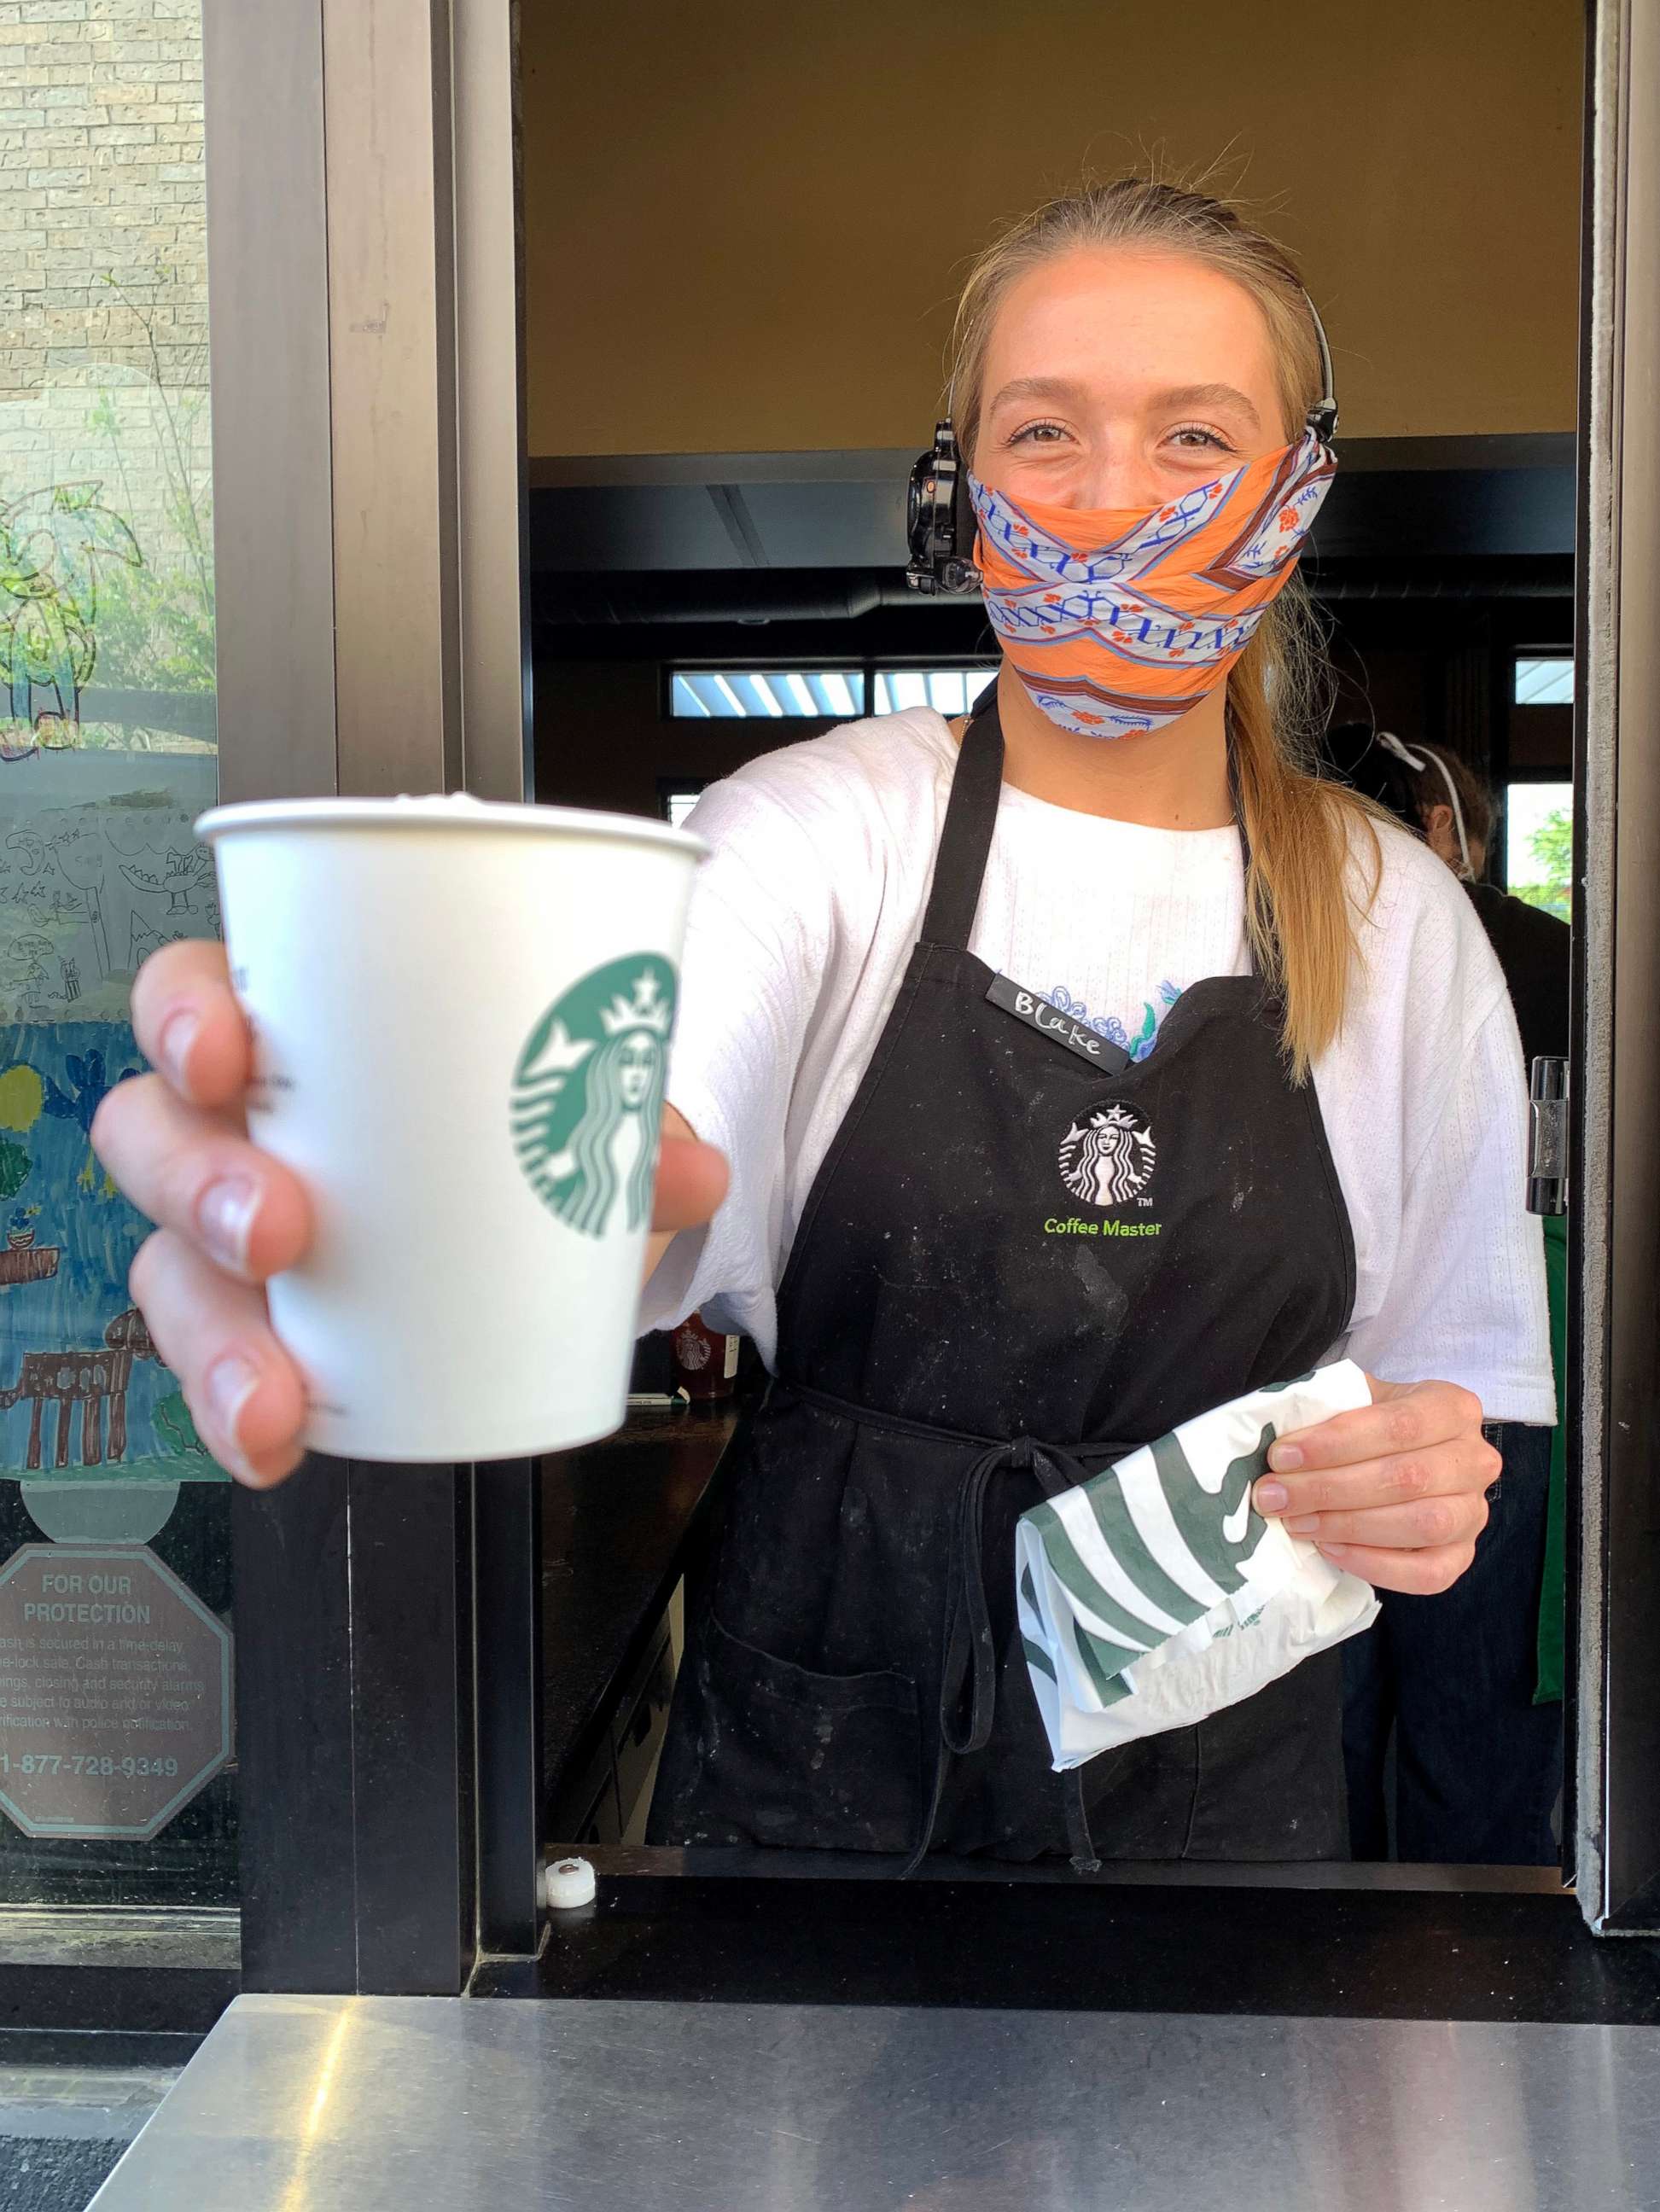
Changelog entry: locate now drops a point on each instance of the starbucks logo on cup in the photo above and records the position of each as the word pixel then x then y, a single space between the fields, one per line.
pixel 692 1350
pixel 588 1094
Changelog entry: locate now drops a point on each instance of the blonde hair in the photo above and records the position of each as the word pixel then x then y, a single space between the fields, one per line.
pixel 1299 911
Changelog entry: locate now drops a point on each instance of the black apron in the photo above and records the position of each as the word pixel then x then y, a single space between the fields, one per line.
pixel 1013 1266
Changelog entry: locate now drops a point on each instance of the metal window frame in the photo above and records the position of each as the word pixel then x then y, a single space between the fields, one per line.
pixel 366 335
pixel 1615 1377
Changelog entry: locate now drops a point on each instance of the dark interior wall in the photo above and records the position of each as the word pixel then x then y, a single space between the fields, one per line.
pixel 1435 671
pixel 602 738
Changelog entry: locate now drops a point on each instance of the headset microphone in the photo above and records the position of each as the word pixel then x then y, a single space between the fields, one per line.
pixel 939 518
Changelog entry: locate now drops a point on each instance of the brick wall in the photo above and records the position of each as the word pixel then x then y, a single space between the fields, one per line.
pixel 100 178
pixel 103 312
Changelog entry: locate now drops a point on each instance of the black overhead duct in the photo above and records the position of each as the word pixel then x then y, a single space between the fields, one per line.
pixel 765 595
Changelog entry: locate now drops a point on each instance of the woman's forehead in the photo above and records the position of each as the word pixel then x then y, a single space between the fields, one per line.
pixel 1117 322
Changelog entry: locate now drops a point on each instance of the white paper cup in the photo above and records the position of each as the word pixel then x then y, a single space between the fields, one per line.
pixel 461 1016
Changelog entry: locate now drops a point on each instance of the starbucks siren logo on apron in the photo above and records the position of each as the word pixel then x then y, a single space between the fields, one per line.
pixel 588 1094
pixel 1107 1158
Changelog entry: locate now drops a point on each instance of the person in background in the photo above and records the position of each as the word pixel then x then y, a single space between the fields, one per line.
pixel 1471 1680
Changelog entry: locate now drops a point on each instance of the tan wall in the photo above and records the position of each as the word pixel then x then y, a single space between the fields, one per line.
pixel 742 218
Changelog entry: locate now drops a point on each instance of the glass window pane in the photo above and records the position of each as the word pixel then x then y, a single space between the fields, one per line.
pixel 752 695
pixel 1544 682
pixel 1538 845
pixel 767 694
pixel 905 687
pixel 116 1785
pixel 951 690
pixel 713 694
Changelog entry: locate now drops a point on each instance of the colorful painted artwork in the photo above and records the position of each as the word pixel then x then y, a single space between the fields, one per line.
pixel 83 1393
pixel 98 865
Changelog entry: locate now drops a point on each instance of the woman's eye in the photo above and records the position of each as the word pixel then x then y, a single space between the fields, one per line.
pixel 1194 438
pixel 1038 434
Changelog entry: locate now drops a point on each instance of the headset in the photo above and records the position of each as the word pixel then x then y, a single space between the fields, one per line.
pixel 939 522
pixel 1388 742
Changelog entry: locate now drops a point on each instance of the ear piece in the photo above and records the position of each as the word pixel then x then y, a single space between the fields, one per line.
pixel 1321 418
pixel 939 518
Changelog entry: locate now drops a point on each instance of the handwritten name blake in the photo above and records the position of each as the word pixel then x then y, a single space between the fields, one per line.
pixel 1042 1016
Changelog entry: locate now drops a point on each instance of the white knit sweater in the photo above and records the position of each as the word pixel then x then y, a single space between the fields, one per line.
pixel 806 914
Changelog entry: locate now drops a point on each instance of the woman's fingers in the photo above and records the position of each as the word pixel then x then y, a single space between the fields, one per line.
pixel 1395 1492
pixel 189 1025
pixel 1403 1418
pixel 691 1181
pixel 1427 1524
pixel 1465 1465
pixel 1417 1574
pixel 244 1394
pixel 194 1173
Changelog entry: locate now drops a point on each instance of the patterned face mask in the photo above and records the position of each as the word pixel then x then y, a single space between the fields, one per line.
pixel 1117 621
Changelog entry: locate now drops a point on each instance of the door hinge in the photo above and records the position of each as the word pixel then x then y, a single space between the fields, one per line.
pixel 1547 1136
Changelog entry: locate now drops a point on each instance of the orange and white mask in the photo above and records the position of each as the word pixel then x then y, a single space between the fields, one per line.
pixel 1117 621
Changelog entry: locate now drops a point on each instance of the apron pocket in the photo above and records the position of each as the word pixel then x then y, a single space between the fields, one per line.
pixel 816 1762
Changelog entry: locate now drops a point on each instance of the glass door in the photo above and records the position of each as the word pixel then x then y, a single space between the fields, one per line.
pixel 118 1777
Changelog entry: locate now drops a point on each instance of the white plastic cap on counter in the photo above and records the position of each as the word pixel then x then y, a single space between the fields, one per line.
pixel 569 1882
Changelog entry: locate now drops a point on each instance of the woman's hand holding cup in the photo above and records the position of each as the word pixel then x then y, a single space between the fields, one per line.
pixel 230 1216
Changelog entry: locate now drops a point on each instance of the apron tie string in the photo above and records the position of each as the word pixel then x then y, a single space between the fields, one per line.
pixel 968 1673
pixel 970 1652
pixel 968 1670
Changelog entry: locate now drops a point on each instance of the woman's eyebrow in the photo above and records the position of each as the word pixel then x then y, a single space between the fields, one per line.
pixel 1040 387
pixel 1178 397
pixel 1207 395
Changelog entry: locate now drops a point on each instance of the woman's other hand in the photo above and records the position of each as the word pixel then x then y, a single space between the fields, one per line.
pixel 1395 1492
pixel 230 1216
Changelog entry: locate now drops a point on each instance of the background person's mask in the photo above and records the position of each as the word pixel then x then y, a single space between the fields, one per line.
pixel 1115 620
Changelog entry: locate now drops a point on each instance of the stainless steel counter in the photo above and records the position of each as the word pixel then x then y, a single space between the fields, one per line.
pixel 444 2105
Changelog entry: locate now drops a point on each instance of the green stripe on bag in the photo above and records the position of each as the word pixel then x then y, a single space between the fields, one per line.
pixel 1061 1556
pixel 1108 1502
pixel 1200 1514
pixel 1109 1686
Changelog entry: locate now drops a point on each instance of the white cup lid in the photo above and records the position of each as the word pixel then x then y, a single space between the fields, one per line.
pixel 443 811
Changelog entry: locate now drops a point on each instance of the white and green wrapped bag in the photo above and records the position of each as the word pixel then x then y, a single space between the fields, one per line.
pixel 1155 1594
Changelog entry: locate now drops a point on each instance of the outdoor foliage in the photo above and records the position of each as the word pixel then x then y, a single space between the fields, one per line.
pixel 1551 884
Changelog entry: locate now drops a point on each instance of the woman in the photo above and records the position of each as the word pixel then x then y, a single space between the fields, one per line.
pixel 880 902
pixel 1442 798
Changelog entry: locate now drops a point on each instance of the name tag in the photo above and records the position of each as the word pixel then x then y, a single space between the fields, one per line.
pixel 1038 1014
